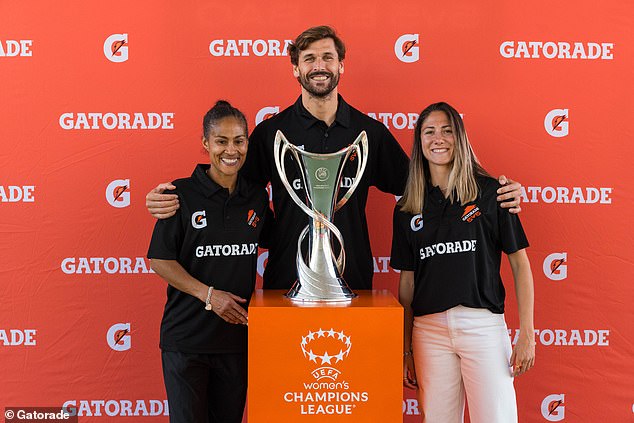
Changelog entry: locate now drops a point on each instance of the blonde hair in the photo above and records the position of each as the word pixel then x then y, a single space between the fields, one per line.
pixel 462 186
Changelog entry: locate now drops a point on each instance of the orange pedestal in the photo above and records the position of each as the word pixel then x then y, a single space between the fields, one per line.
pixel 326 362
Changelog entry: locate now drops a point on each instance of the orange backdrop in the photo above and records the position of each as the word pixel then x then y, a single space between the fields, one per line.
pixel 545 89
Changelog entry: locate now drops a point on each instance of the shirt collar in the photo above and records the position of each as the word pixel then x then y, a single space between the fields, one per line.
pixel 211 187
pixel 435 193
pixel 307 120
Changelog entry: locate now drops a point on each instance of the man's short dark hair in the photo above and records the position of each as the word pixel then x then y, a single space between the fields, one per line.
pixel 311 35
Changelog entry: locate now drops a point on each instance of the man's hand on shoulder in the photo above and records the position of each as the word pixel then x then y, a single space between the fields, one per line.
pixel 162 206
pixel 510 194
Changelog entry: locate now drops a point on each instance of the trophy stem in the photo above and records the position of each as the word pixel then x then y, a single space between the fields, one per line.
pixel 320 257
pixel 320 280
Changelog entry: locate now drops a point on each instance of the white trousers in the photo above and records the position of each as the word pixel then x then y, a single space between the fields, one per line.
pixel 464 350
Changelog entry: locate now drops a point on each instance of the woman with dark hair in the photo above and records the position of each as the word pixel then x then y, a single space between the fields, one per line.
pixel 207 253
pixel 449 232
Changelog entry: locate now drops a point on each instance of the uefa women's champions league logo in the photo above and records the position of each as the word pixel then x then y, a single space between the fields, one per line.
pixel 326 347
pixel 327 392
pixel 322 174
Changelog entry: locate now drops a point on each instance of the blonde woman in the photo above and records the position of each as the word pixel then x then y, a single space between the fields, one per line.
pixel 449 233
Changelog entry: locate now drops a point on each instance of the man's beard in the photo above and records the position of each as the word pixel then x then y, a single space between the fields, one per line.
pixel 321 91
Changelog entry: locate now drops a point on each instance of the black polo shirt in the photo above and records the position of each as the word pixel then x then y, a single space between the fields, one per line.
pixel 455 251
pixel 386 169
pixel 214 236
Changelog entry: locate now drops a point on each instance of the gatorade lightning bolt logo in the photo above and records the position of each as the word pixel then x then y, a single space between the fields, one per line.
pixel 115 48
pixel 118 337
pixel 470 213
pixel 117 45
pixel 266 113
pixel 252 218
pixel 553 408
pixel 199 219
pixel 556 123
pixel 555 266
pixel 118 193
pixel 416 223
pixel 407 48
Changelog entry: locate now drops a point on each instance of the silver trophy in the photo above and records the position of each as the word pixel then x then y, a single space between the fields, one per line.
pixel 319 277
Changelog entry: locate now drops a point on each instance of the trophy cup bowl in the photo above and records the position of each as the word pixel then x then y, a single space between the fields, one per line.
pixel 319 274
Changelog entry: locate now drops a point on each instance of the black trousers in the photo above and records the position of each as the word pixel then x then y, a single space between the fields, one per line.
pixel 205 388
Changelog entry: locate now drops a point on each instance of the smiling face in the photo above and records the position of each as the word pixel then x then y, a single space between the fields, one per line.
pixel 318 68
pixel 227 145
pixel 437 140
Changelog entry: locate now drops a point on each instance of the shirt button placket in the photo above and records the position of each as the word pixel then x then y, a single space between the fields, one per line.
pixel 227 215
pixel 324 144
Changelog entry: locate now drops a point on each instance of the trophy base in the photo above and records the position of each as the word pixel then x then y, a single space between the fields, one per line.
pixel 330 293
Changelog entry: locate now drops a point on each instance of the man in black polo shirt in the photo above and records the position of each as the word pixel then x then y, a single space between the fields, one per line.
pixel 322 122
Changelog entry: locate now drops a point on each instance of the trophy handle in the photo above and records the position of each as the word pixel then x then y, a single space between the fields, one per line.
pixel 280 148
pixel 362 155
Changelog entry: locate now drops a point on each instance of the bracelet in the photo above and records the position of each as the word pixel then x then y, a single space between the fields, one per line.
pixel 208 305
pixel 406 353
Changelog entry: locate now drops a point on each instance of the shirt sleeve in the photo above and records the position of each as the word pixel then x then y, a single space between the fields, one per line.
pixel 257 167
pixel 512 236
pixel 391 164
pixel 167 237
pixel 402 255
